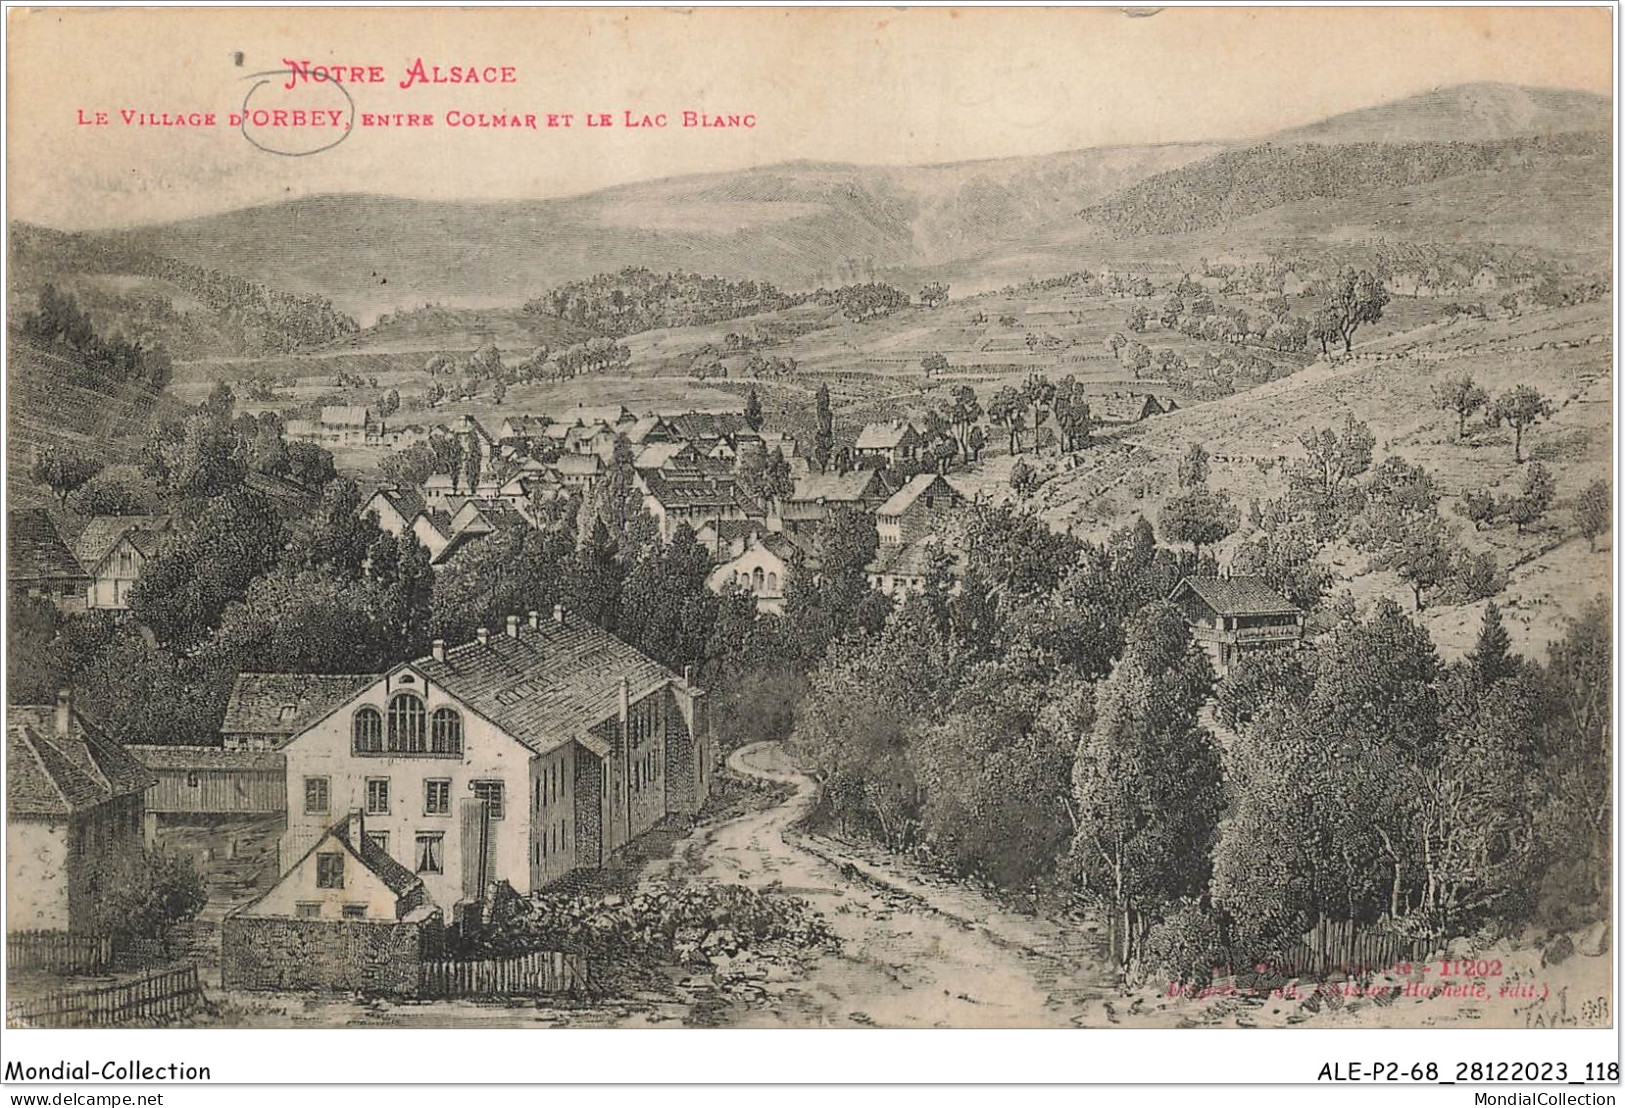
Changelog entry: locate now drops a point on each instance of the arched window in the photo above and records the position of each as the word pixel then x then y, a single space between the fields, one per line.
pixel 756 579
pixel 367 731
pixel 446 732
pixel 406 724
pixel 772 583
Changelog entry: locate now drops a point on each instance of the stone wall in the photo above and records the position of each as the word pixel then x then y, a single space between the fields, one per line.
pixel 362 956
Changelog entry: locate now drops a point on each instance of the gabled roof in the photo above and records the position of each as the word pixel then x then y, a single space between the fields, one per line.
pixel 706 425
pixel 1126 407
pixel 407 502
pixel 611 414
pixel 641 429
pixel 468 425
pixel 1238 596
pixel 346 415
pixel 286 703
pixel 836 488
pixel 35 550
pixel 903 499
pixel 730 531
pixel 657 454
pixel 103 533
pixel 885 436
pixel 690 492
pixel 396 877
pixel 52 775
pixel 548 685
pixel 579 465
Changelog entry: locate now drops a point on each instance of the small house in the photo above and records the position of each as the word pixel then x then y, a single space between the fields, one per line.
pixel 350 425
pixel 762 569
pixel 895 442
pixel 113 550
pixel 73 802
pixel 1232 616
pixel 39 564
pixel 922 506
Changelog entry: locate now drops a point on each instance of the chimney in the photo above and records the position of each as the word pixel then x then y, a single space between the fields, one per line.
pixel 513 627
pixel 64 711
pixel 535 619
pixel 558 614
pixel 483 635
pixel 626 697
pixel 437 650
pixel 357 828
pixel 688 677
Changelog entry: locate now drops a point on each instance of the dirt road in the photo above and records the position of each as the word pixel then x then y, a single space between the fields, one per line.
pixel 914 952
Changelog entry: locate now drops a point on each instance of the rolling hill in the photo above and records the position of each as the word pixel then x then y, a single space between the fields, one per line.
pixel 1482 112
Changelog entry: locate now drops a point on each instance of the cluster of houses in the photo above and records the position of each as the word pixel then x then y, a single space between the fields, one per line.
pixel 688 469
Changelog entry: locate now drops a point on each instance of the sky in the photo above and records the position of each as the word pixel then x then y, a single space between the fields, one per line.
pixel 865 85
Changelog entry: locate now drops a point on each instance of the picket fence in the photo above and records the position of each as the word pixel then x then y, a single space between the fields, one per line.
pixel 1338 946
pixel 158 996
pixel 58 952
pixel 540 973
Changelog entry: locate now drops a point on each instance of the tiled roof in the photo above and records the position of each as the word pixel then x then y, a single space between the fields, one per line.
pixel 903 499
pixel 610 414
pixel 397 877
pixel 657 454
pixel 345 415
pixel 579 465
pixel 884 436
pixel 407 502
pixel 102 533
pixel 35 550
pixel 286 703
pixel 548 685
pixel 706 425
pixel 50 774
pixel 1238 596
pixel 207 757
pixel 838 488
pixel 684 492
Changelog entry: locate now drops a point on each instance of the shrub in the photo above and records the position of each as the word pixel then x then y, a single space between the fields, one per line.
pixel 1187 946
pixel 143 895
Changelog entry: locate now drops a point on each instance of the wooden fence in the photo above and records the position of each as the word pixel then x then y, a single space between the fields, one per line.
pixel 58 952
pixel 159 996
pixel 540 973
pixel 1338 946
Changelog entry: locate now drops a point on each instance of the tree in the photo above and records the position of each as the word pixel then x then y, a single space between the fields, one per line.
pixel 1520 406
pixel 1172 309
pixel 143 895
pixel 1005 409
pixel 1286 558
pixel 205 563
pixel 753 410
pixel 1137 357
pixel 1193 468
pixel 1331 462
pixel 824 435
pixel 310 465
pixel 963 412
pixel 409 468
pixel 1024 480
pixel 1491 657
pixel 499 390
pixel 1460 394
pixel 934 365
pixel 1420 549
pixel 1199 517
pixel 389 403
pixel 976 441
pixel 1147 783
pixel 62 472
pixel 1356 298
pixel 1137 318
pixel 120 490
pixel 1323 329
pixel 1539 492
pixel 934 295
pixel 1593 511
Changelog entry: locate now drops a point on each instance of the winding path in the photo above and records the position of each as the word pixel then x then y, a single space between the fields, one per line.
pixel 915 951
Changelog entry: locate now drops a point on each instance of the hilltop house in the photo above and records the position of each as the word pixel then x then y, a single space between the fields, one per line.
pixel 519 757
pixel 1232 616
pixel 73 801
pixel 919 508
pixel 113 549
pixel 39 564
pixel 895 442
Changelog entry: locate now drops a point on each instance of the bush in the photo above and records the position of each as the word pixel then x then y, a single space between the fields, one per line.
pixel 143 895
pixel 1187 947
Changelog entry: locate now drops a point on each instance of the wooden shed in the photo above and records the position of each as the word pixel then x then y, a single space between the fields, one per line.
pixel 210 780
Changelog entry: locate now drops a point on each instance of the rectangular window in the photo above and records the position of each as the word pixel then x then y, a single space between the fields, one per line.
pixel 491 793
pixel 431 852
pixel 437 796
pixel 355 911
pixel 378 796
pixel 330 871
pixel 379 839
pixel 315 795
pixel 308 910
